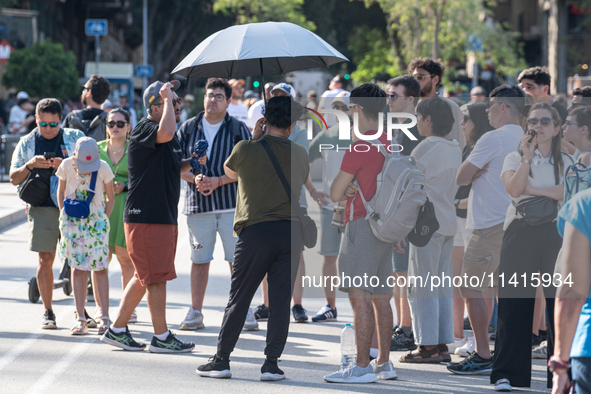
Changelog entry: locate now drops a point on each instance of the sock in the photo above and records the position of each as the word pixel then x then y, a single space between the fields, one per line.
pixel 406 330
pixel 162 337
pixel 458 339
pixel 373 352
pixel 117 330
pixel 197 312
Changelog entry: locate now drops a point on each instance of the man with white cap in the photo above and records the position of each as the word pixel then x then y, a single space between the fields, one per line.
pixel 150 218
pixel 235 107
pixel 21 115
pixel 255 112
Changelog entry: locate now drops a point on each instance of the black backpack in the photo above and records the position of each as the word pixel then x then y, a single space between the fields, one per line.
pixel 95 128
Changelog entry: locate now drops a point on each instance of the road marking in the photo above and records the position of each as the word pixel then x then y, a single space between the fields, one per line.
pixel 18 350
pixel 60 367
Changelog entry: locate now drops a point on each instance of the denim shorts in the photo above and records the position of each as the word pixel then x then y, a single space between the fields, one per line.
pixel 203 228
pixel 330 237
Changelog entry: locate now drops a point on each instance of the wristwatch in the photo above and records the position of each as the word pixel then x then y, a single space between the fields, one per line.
pixel 525 161
pixel 555 363
pixel 457 203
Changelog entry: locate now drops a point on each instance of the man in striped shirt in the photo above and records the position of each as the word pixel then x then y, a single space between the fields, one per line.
pixel 210 197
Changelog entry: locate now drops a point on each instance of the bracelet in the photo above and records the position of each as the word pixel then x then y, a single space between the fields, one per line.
pixel 27 167
pixel 220 183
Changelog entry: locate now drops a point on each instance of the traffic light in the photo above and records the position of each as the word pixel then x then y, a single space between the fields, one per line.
pixel 256 84
pixel 347 76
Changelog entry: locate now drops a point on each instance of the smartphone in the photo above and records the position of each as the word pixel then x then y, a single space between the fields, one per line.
pixel 49 155
pixel 533 133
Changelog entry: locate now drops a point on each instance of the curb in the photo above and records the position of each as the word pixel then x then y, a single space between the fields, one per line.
pixel 13 218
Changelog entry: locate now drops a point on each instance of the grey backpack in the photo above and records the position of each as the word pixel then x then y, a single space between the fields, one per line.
pixel 95 128
pixel 393 210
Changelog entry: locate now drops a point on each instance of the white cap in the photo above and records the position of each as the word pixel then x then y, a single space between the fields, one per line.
pixel 22 95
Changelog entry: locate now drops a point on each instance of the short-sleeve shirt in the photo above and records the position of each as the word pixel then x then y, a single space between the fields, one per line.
pixel 543 176
pixel 488 200
pixel 577 211
pixel 154 176
pixel 365 166
pixel 76 182
pixel 239 111
pixel 261 195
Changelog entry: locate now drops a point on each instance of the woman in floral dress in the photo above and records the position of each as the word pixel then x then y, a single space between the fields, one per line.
pixel 85 242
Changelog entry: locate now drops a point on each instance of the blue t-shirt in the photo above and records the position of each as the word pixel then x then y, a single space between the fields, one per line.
pixel 578 212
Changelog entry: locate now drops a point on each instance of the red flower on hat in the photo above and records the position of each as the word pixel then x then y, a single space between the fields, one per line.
pixel 88 158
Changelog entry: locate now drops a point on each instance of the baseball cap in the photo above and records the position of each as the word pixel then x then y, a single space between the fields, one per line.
pixel 22 95
pixel 287 88
pixel 152 92
pixel 234 82
pixel 87 155
pixel 342 97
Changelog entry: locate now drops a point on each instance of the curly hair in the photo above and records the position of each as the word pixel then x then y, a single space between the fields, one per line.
pixel 540 75
pixel 433 67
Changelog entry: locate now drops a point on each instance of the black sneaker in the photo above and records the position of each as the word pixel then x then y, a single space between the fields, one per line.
pixel 401 342
pixel 261 312
pixel 536 340
pixel 122 340
pixel 472 365
pixel 215 368
pixel 48 322
pixel 299 313
pixel 170 345
pixel 270 371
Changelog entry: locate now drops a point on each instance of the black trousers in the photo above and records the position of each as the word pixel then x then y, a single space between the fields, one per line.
pixel 271 248
pixel 528 250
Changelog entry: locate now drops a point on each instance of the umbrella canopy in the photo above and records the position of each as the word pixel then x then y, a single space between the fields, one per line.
pixel 270 48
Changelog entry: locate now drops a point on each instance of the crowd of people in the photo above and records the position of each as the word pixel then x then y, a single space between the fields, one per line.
pixel 494 172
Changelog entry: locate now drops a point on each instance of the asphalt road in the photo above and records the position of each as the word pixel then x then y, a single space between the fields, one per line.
pixel 37 361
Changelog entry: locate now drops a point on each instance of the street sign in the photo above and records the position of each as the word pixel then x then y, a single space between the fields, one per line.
pixel 96 27
pixel 144 70
pixel 474 44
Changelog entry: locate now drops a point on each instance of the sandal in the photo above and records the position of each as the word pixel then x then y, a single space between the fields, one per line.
pixel 444 353
pixel 105 324
pixel 133 317
pixel 81 328
pixel 422 355
pixel 98 313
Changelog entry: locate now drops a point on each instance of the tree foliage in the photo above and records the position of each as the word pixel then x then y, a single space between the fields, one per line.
pixel 371 54
pixel 43 69
pixel 442 29
pixel 252 11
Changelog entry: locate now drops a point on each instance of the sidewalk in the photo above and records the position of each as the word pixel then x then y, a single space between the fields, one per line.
pixel 12 208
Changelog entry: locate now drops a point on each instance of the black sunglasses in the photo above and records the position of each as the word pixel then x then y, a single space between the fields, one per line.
pixel 120 124
pixel 392 96
pixel 343 107
pixel 50 124
pixel 543 121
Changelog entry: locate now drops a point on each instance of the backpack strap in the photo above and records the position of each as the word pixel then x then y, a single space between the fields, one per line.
pixel 92 186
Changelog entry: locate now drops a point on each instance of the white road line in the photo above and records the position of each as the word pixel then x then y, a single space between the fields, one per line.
pixel 18 350
pixel 60 367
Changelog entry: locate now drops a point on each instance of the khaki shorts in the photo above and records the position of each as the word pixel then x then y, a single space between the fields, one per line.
pixel 482 257
pixel 152 248
pixel 44 226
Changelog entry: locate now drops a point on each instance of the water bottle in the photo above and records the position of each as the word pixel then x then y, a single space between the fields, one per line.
pixel 348 348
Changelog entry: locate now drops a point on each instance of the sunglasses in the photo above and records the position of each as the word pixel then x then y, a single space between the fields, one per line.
pixel 466 118
pixel 343 108
pixel 392 96
pixel 120 124
pixel 50 124
pixel 543 121
pixel 420 77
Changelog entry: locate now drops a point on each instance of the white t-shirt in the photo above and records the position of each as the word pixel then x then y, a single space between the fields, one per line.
pixel 439 159
pixel 255 112
pixel 17 117
pixel 543 177
pixel 210 131
pixel 239 111
pixel 488 200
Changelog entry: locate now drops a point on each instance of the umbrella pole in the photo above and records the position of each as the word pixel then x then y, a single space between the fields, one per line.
pixel 263 79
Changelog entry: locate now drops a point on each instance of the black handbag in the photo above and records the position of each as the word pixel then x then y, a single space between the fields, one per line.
pixel 309 229
pixel 427 225
pixel 537 211
pixel 37 187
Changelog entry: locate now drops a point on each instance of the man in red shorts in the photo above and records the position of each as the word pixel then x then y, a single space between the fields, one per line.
pixel 150 218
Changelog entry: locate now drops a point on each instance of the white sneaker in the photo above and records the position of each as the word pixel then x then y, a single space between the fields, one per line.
pixel 467 348
pixel 457 344
pixel 503 385
pixel 385 371
pixel 251 323
pixel 353 374
pixel 193 321
pixel 540 351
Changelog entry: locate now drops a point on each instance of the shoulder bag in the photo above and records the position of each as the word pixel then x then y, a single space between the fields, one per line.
pixel 37 186
pixel 81 209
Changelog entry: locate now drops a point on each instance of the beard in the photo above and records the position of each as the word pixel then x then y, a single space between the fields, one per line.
pixel 83 99
pixel 426 91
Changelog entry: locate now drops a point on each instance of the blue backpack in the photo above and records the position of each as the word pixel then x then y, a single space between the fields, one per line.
pixel 576 178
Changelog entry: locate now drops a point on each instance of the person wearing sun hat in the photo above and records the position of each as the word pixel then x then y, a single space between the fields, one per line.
pixel 85 240
pixel 235 107
pixel 150 224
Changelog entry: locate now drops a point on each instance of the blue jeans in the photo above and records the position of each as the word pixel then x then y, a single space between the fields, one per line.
pixel 581 370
